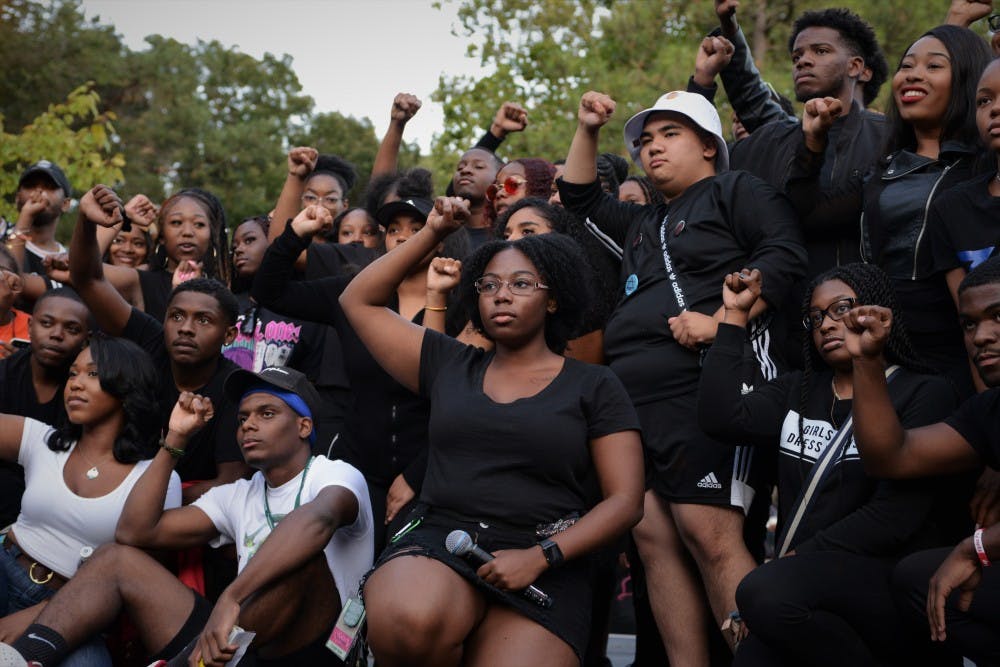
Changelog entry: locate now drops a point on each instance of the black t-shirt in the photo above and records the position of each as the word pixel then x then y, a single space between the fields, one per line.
pixel 216 441
pixel 17 397
pixel 850 511
pixel 718 225
pixel 978 421
pixel 478 237
pixel 527 462
pixel 156 286
pixel 964 224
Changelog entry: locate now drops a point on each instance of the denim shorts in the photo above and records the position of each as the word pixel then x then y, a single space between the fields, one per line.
pixel 19 592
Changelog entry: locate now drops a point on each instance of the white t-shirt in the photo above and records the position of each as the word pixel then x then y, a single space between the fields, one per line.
pixel 237 510
pixel 55 523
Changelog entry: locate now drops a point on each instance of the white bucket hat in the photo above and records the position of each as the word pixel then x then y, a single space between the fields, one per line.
pixel 700 111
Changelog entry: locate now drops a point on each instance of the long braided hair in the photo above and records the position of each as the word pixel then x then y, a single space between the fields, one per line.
pixel 872 287
pixel 217 260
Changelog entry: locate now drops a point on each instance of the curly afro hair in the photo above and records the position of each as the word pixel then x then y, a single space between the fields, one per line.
pixel 858 36
pixel 558 259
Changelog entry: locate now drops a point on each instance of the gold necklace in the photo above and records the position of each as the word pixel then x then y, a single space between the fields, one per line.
pixel 833 403
pixel 93 473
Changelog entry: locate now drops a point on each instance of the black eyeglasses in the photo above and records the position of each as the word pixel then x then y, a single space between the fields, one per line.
pixel 835 311
pixel 994 22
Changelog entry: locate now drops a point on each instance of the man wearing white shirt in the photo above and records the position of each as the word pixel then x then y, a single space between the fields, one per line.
pixel 289 589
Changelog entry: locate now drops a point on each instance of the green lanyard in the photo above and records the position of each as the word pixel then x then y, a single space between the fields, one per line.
pixel 298 498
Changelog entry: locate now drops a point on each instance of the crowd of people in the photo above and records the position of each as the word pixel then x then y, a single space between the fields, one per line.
pixel 427 429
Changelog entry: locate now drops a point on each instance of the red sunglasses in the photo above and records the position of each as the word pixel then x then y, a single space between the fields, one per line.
pixel 510 185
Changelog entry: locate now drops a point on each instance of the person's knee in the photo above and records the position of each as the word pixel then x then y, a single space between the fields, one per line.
pixel 766 604
pixel 111 559
pixel 403 625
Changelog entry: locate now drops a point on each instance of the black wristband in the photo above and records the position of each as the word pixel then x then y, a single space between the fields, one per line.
pixel 553 554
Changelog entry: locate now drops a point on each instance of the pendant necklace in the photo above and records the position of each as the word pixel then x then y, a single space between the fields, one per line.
pixel 93 473
pixel 833 403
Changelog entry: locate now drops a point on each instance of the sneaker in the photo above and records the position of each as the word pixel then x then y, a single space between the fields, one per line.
pixel 11 658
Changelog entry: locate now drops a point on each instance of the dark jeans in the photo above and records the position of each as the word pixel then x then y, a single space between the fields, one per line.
pixel 825 609
pixel 975 633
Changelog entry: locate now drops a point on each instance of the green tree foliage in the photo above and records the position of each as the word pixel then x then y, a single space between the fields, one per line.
pixel 546 53
pixel 49 50
pixel 74 134
pixel 201 115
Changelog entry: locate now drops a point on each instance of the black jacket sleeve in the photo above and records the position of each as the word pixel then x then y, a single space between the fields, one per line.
pixel 588 200
pixel 273 287
pixel 841 206
pixel 489 142
pixel 747 91
pixel 724 411
pixel 708 93
pixel 766 225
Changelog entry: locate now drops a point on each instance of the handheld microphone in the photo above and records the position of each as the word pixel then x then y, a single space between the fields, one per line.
pixel 460 543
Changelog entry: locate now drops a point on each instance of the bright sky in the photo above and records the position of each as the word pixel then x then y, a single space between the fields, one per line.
pixel 351 56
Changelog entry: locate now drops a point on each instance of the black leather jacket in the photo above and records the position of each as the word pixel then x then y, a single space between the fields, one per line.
pixel 776 152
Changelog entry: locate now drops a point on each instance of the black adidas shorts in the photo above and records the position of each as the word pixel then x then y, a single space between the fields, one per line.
pixel 683 465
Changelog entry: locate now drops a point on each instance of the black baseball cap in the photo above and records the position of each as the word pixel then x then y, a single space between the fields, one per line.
pixel 50 169
pixel 240 381
pixel 415 206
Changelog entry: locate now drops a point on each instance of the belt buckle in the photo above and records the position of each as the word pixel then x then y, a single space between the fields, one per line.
pixel 31 574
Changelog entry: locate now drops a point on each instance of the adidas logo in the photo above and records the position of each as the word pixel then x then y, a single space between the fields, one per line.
pixel 709 481
pixel 746 389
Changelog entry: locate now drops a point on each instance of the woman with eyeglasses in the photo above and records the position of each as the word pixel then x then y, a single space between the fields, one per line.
pixel 521 438
pixel 826 599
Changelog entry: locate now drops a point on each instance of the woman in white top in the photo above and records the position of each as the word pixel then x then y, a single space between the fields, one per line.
pixel 77 477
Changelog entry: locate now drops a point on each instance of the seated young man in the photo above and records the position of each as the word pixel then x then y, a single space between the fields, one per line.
pixel 289 590
pixel 186 347
pixel 32 379
pixel 961 602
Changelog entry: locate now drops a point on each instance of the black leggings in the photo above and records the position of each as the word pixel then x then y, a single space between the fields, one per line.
pixel 825 608
pixel 975 633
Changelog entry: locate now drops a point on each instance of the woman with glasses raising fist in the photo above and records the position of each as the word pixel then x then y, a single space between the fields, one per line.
pixel 840 531
pixel 521 438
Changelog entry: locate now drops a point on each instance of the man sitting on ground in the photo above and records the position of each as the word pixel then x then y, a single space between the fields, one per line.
pixel 289 590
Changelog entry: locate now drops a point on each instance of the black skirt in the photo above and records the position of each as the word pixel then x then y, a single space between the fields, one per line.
pixel 568 586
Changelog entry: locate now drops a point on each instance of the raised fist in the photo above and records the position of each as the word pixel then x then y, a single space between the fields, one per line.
pixel 404 107
pixel 595 110
pixel 101 206
pixel 141 211
pixel 448 214
pixel 510 117
pixel 302 161
pixel 312 219
pixel 817 119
